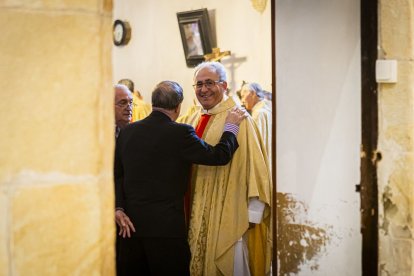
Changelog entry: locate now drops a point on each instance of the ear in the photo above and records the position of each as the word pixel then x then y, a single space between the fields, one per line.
pixel 224 85
pixel 178 109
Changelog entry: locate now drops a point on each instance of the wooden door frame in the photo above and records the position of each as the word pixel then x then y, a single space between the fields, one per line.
pixel 274 138
pixel 368 186
pixel 369 138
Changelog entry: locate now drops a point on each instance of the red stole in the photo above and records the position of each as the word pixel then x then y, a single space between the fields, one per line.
pixel 201 126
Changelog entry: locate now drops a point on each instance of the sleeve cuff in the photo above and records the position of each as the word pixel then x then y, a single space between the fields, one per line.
pixel 256 209
pixel 231 128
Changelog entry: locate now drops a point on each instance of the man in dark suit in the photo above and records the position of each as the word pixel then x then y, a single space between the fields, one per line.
pixel 153 161
pixel 123 115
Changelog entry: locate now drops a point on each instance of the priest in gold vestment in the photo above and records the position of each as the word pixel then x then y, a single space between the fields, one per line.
pixel 140 109
pixel 253 98
pixel 226 200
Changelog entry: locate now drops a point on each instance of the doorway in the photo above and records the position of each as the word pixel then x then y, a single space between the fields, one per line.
pixel 318 72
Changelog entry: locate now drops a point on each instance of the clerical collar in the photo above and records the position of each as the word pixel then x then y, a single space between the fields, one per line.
pixel 211 110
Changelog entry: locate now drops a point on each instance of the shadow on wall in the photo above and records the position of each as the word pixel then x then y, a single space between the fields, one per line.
pixel 299 242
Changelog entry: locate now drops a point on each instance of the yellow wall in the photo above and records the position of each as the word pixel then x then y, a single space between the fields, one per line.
pixel 396 140
pixel 56 146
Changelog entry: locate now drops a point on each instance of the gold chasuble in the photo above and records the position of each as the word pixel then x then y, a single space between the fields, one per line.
pixel 262 248
pixel 219 213
pixel 262 116
pixel 140 109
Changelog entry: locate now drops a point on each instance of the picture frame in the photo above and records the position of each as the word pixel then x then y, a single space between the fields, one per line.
pixel 195 35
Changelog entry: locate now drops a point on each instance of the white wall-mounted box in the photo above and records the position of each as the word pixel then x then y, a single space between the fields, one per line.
pixel 386 71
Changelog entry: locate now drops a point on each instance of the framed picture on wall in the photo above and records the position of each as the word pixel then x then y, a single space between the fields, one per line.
pixel 195 35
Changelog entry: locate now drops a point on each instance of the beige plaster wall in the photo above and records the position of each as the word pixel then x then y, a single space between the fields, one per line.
pixel 155 52
pixel 56 146
pixel 396 140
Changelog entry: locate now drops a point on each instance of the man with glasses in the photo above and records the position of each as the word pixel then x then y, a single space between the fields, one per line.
pixel 153 160
pixel 123 107
pixel 123 115
pixel 226 201
pixel 140 109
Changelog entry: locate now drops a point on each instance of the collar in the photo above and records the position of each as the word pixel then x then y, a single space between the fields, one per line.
pixel 258 105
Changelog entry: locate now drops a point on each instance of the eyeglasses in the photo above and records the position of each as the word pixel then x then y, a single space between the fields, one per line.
pixel 208 83
pixel 125 103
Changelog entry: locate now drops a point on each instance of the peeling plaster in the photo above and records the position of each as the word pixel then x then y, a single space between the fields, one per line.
pixel 389 208
pixel 299 241
pixel 396 219
pixel 383 271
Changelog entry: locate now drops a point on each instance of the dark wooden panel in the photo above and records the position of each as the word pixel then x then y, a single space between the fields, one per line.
pixel 369 105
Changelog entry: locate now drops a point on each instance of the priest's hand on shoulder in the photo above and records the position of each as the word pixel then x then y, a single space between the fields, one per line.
pixel 236 116
pixel 125 224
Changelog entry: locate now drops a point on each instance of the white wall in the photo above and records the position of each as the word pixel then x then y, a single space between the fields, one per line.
pixel 155 52
pixel 318 124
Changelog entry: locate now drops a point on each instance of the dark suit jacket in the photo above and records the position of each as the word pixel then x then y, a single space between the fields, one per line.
pixel 153 159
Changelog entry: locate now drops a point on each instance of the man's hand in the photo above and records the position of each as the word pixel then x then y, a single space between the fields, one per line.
pixel 124 223
pixel 236 115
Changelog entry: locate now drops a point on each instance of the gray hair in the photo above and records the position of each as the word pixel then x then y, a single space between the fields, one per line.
pixel 167 95
pixel 255 88
pixel 214 66
pixel 267 95
pixel 122 87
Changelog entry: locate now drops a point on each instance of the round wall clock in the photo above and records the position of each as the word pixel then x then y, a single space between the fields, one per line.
pixel 121 32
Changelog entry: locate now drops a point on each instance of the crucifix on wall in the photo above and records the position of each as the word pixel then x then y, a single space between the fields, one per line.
pixel 216 55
